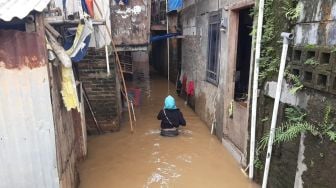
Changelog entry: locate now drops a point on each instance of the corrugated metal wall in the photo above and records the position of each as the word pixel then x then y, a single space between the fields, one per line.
pixel 27 135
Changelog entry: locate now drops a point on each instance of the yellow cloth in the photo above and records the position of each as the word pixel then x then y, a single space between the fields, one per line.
pixel 69 92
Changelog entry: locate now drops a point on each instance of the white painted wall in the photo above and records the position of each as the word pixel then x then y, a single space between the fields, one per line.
pixel 27 138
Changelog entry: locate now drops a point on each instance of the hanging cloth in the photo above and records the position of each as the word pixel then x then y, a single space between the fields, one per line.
pixel 81 41
pixel 191 88
pixel 69 91
pixel 89 6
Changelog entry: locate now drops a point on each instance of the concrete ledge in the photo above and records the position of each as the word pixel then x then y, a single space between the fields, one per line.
pixel 234 151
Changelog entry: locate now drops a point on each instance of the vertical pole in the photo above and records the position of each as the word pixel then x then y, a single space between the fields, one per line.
pixel 107 61
pixel 255 87
pixel 286 37
pixel 168 50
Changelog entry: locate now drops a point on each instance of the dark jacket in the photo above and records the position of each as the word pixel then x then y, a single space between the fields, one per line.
pixel 175 117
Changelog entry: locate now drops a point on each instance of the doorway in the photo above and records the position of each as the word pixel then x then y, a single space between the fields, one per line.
pixel 243 61
pixel 238 78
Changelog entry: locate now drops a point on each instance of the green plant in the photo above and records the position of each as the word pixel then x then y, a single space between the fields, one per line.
pixel 296 124
pixel 311 61
pixel 295 82
pixel 292 12
pixel 310 46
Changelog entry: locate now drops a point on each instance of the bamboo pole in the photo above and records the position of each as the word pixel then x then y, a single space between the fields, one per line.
pixel 99 129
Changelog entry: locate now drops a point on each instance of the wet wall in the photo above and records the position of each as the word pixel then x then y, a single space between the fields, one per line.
pixel 131 23
pixel 38 135
pixel 209 99
pixel 307 161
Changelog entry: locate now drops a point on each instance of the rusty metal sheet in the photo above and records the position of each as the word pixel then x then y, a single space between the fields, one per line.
pixel 131 24
pixel 27 135
pixel 21 49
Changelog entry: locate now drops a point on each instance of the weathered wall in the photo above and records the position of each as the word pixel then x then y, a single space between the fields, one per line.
pixel 209 99
pixel 27 132
pixel 307 161
pixel 131 24
pixel 194 57
pixel 68 141
pixel 102 91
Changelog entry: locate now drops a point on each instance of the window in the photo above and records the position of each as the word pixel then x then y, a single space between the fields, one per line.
pixel 212 71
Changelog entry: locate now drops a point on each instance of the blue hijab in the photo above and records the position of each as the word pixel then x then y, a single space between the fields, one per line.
pixel 170 103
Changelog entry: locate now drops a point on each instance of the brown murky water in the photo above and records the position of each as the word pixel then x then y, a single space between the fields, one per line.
pixel 145 159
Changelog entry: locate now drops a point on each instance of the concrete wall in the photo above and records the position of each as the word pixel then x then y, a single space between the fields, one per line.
pixel 194 57
pixel 211 101
pixel 307 161
pixel 131 23
pixel 102 91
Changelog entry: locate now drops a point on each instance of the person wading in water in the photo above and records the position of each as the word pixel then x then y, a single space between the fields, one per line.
pixel 171 118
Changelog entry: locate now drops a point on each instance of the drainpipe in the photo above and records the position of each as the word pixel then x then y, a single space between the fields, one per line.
pixel 255 87
pixel 286 38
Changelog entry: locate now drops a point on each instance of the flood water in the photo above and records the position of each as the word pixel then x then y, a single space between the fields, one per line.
pixel 145 159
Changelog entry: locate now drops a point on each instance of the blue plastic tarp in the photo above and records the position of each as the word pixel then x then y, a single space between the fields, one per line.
pixel 163 37
pixel 174 5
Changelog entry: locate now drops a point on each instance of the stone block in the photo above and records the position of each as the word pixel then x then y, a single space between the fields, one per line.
pixel 310 54
pixel 297 55
pixel 322 80
pixel 332 86
pixel 308 77
pixel 326 59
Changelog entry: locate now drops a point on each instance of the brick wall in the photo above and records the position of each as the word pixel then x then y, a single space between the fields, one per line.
pixel 102 91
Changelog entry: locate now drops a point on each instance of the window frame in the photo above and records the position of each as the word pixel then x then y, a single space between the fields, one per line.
pixel 214 22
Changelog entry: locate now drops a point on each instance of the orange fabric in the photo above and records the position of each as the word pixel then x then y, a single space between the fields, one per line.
pixel 89 4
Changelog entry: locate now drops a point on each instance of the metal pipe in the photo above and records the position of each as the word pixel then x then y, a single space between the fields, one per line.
pixel 255 87
pixel 286 38
pixel 64 21
pixel 168 50
pixel 107 61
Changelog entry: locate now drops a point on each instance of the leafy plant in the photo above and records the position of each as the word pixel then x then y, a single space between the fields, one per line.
pixel 295 125
pixel 311 61
pixel 292 12
pixel 294 80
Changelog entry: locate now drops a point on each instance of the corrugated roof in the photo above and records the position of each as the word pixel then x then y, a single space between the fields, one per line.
pixel 20 8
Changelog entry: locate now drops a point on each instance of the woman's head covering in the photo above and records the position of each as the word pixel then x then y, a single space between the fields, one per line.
pixel 170 103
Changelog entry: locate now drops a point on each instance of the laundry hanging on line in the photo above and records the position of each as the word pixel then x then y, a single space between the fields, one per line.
pixel 77 45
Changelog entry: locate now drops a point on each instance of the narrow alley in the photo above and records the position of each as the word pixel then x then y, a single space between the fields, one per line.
pixel 84 82
pixel 145 159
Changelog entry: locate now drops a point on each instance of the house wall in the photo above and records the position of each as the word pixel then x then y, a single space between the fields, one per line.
pixel 27 136
pixel 38 136
pixel 102 91
pixel 209 100
pixel 68 140
pixel 131 24
pixel 306 161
